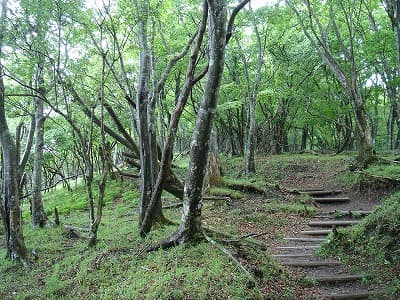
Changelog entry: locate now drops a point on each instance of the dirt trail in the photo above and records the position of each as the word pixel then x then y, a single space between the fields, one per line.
pixel 336 208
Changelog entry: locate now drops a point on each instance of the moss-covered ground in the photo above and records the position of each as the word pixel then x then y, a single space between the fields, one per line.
pixel 119 268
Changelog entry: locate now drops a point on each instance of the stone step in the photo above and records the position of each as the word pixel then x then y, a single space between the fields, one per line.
pixel 338 278
pixel 322 192
pixel 332 223
pixel 331 199
pixel 349 295
pixel 310 264
pixel 296 239
pixel 316 232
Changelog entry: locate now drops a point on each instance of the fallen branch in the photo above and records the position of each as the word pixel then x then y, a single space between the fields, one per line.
pixel 50 187
pixel 229 254
pixel 216 198
pixel 173 205
pixel 247 236
pixel 229 236
pixel 125 174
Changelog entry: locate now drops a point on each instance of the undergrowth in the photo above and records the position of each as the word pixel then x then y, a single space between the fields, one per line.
pixel 117 267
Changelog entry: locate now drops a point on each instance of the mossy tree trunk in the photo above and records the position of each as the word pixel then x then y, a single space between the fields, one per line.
pixel 10 206
pixel 190 226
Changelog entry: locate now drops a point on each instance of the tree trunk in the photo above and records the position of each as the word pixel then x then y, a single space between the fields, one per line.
pixel 213 172
pixel 190 227
pixel 39 217
pixel 366 151
pixel 166 156
pixel 304 137
pixel 146 155
pixel 251 141
pixel 10 202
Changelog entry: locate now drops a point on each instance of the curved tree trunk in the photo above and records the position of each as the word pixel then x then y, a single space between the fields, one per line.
pixel 190 226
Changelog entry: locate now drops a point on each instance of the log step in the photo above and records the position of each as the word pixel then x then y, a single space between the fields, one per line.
pixel 305 239
pixel 350 295
pixel 331 199
pixel 316 232
pixel 322 193
pixel 310 264
pixel 297 247
pixel 332 223
pixel 351 212
pixel 312 189
pixel 338 278
pixel 292 255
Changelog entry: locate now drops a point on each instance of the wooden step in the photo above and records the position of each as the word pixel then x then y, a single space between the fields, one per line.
pixel 312 189
pixel 331 199
pixel 322 193
pixel 297 247
pixel 338 278
pixel 350 295
pixel 351 212
pixel 316 232
pixel 297 255
pixel 310 264
pixel 332 223
pixel 305 239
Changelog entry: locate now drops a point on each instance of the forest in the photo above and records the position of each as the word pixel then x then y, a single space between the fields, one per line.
pixel 205 149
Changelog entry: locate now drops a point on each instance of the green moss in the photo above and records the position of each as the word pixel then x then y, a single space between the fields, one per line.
pixel 117 268
pixel 225 191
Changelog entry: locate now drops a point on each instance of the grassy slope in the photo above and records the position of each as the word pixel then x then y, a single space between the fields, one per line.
pixel 116 268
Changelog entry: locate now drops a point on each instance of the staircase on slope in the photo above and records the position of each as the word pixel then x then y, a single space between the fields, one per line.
pixel 333 278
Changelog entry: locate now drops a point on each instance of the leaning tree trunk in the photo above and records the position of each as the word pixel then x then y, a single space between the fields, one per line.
pixel 163 176
pixel 39 217
pixel 190 226
pixel 366 152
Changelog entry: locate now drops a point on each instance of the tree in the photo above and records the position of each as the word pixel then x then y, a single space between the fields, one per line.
pixel 190 226
pixel 10 202
pixel 346 70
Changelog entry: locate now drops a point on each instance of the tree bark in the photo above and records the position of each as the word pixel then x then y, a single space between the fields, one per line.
pixel 166 155
pixel 143 98
pixel 10 203
pixel 190 226
pixel 39 217
pixel 251 140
